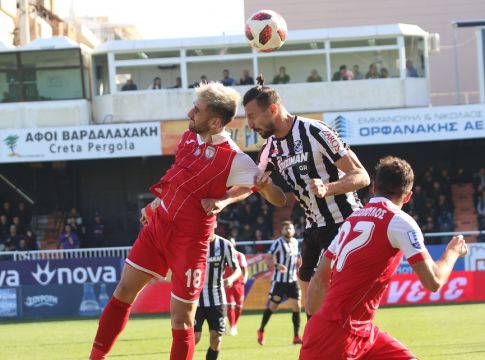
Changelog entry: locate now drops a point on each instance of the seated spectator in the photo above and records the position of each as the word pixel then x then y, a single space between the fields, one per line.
pixel 246 79
pixel 156 84
pixel 203 80
pixel 282 77
pixel 4 226
pixel 130 85
pixel 314 76
pixel 373 73
pixel 178 83
pixel 342 74
pixel 7 211
pixel 68 239
pixel 12 240
pixel 384 73
pixel 76 222
pixel 98 231
pixel 23 213
pixel 20 227
pixel 31 239
pixel 410 69
pixel 226 79
pixel 356 72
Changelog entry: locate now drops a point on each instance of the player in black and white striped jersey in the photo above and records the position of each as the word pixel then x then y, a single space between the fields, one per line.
pixel 318 166
pixel 212 301
pixel 283 258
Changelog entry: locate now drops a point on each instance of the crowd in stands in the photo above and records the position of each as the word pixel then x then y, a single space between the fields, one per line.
pixel 15 228
pixel 76 234
pixel 479 200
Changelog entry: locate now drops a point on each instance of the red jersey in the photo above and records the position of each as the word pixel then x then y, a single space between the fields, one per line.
pixel 201 170
pixel 366 252
pixel 241 259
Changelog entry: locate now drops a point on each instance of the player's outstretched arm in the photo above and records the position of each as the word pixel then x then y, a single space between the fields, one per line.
pixel 272 193
pixel 433 275
pixel 317 289
pixel 233 195
pixel 355 178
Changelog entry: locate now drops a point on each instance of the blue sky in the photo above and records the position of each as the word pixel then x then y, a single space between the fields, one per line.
pixel 166 18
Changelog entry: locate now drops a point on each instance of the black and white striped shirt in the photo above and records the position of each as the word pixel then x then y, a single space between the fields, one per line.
pixel 221 254
pixel 285 253
pixel 310 151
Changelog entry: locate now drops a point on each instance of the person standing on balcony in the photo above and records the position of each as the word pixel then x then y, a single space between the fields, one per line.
pixel 282 77
pixel 179 223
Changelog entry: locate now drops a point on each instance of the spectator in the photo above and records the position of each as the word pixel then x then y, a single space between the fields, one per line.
pixel 7 211
pixel 384 73
pixel 12 240
pixel 314 76
pixel 282 77
pixel 98 231
pixel 24 214
pixel 226 79
pixel 76 222
pixel 203 80
pixel 258 247
pixel 356 72
pixel 373 73
pixel 246 79
pixel 178 83
pixel 31 239
pixel 130 85
pixel 20 227
pixel 4 227
pixel 342 74
pixel 68 239
pixel 410 69
pixel 262 225
pixel 481 205
pixel 246 214
pixel 155 85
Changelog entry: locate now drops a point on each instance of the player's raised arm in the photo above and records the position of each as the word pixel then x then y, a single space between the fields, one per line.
pixel 433 275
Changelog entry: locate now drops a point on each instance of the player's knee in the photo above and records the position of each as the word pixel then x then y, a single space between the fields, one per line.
pixel 197 336
pixel 125 292
pixel 215 340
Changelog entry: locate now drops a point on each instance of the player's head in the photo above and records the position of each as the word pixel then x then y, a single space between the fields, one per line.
pixel 394 179
pixel 261 104
pixel 287 229
pixel 215 106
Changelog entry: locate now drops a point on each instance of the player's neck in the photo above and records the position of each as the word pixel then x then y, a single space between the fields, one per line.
pixel 207 136
pixel 285 124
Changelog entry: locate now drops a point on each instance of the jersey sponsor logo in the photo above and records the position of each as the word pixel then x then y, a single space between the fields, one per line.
pixel 210 152
pixel 414 239
pixel 214 259
pixel 333 142
pixel 285 163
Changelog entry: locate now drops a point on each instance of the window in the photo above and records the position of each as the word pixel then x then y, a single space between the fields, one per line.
pixel 367 65
pixel 414 56
pixel 362 42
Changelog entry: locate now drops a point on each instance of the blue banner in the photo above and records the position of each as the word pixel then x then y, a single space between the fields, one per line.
pixel 60 272
pixel 8 303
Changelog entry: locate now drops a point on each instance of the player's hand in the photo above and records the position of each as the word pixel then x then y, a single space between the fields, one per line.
pixel 212 206
pixel 228 282
pixel 281 268
pixel 318 187
pixel 143 217
pixel 262 180
pixel 458 244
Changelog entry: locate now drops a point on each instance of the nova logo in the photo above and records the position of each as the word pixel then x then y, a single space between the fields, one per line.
pixel 41 300
pixel 9 278
pixel 77 275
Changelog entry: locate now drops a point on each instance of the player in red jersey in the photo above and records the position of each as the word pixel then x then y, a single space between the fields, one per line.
pixel 235 291
pixel 180 221
pixel 354 272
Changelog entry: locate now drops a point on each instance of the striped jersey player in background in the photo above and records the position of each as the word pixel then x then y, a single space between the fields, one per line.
pixel 322 171
pixel 235 293
pixel 212 300
pixel 283 258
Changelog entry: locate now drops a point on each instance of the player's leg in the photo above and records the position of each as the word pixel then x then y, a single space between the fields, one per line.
pixel 387 347
pixel 294 299
pixel 217 325
pixel 310 252
pixel 115 315
pixel 200 317
pixel 239 299
pixel 231 313
pixel 276 296
pixel 182 315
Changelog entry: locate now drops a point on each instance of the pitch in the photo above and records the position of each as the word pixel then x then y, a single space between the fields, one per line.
pixel 432 332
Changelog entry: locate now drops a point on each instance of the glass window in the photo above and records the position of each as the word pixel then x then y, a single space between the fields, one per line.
pixel 101 74
pixel 8 61
pixel 58 84
pixel 414 56
pixel 363 42
pixel 51 58
pixel 292 69
pixel 365 65
pixel 144 77
pixel 9 86
pixel 143 55
pixel 309 45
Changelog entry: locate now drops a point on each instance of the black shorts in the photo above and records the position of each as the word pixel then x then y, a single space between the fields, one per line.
pixel 315 239
pixel 281 289
pixel 215 316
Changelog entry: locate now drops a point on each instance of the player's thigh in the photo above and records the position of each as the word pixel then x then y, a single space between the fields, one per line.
pixel 277 292
pixel 386 347
pixel 131 283
pixel 216 318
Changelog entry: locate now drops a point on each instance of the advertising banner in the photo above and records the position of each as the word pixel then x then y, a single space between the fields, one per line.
pixel 475 259
pixel 60 272
pixel 463 286
pixel 80 142
pixel 8 303
pixel 409 124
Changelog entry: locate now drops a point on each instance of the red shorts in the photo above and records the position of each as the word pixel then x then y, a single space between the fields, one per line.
pixel 235 295
pixel 328 340
pixel 164 245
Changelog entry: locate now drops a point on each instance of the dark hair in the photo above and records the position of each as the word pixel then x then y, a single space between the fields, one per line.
pixel 264 95
pixel 343 67
pixel 286 223
pixel 394 176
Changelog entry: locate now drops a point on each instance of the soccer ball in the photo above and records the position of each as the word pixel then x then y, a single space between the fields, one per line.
pixel 266 30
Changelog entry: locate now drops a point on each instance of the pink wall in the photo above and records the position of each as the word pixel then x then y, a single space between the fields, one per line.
pixel 433 16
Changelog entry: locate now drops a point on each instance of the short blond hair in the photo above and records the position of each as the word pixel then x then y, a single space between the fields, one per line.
pixel 222 101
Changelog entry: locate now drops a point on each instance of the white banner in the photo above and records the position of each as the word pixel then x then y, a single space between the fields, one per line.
pixel 409 125
pixel 80 142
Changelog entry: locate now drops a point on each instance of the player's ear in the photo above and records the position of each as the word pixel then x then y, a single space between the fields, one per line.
pixel 407 197
pixel 273 108
pixel 215 123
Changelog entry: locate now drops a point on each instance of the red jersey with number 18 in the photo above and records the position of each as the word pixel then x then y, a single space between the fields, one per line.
pixel 366 252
